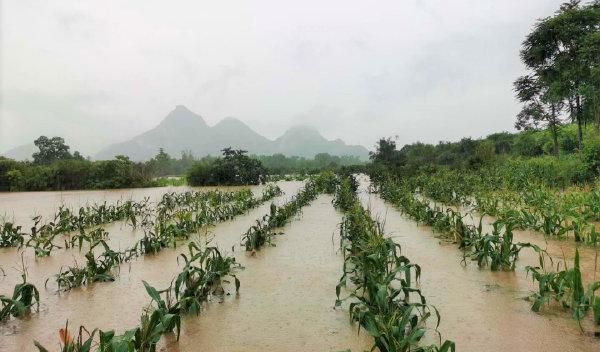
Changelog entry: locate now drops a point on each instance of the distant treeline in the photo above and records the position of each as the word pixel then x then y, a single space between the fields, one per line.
pixel 277 164
pixel 530 153
pixel 54 167
pixel 560 115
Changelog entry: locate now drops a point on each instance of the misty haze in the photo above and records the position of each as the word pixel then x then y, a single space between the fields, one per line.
pixel 394 176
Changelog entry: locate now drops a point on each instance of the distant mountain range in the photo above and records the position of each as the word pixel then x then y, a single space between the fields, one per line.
pixel 183 130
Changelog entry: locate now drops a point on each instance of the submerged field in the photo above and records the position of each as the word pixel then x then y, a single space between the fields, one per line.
pixel 288 259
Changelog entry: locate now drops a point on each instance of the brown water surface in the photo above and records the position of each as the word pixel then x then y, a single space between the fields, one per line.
pixel 285 302
pixel 287 295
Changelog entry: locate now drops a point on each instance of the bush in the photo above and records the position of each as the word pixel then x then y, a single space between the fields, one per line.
pixel 550 171
pixel 234 168
pixel 591 156
pixel 68 174
pixel 9 169
pixel 530 144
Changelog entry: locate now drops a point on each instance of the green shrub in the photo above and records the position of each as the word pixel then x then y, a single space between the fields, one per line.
pixel 234 168
pixel 591 156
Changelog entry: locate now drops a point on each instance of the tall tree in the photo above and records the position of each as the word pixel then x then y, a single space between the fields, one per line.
pixel 51 149
pixel 556 51
pixel 385 150
pixel 542 107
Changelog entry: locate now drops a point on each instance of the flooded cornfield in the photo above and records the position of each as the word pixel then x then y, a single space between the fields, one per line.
pixel 483 310
pixel 288 285
pixel 285 301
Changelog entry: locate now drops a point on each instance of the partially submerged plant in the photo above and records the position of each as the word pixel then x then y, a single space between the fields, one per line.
pixel 10 235
pixel 202 276
pixel 96 269
pixel 383 297
pixel 25 296
pixel 566 288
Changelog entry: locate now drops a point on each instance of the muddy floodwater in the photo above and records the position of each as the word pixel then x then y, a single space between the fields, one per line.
pixel 287 292
pixel 483 310
pixel 285 302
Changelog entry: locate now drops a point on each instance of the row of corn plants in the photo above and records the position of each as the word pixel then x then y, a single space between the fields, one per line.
pixel 384 295
pixel 164 233
pixel 43 238
pixel 495 249
pixel 43 235
pixel 202 277
pixel 263 231
pixel 555 213
pixel 564 287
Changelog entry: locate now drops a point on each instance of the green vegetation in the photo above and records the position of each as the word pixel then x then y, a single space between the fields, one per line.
pixel 55 168
pixel 24 297
pixel 10 235
pixel 566 288
pixel 73 174
pixel 261 234
pixel 234 168
pixel 96 269
pixel 279 164
pixel 561 54
pixel 384 297
pixel 201 277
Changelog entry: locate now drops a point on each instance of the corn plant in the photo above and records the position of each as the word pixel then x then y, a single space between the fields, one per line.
pixel 260 234
pixel 96 269
pixel 383 297
pixel 160 318
pixel 202 276
pixel 10 235
pixel 68 343
pixel 24 297
pixel 91 237
pixel 566 288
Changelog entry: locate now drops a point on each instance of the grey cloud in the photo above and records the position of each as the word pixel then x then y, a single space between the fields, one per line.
pixel 421 69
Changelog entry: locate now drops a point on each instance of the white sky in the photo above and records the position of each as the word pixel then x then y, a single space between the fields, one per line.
pixel 98 72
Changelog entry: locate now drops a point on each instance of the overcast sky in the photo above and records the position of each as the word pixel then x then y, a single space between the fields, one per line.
pixel 98 72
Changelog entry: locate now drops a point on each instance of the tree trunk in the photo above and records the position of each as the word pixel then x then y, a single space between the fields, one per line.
pixel 554 130
pixel 578 115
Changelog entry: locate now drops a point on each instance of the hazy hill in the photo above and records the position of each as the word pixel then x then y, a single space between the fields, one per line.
pixel 184 130
pixel 22 152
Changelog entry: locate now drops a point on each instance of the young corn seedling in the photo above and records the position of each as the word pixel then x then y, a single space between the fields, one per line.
pixel 202 276
pixel 68 343
pixel 10 235
pixel 96 269
pixel 24 297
